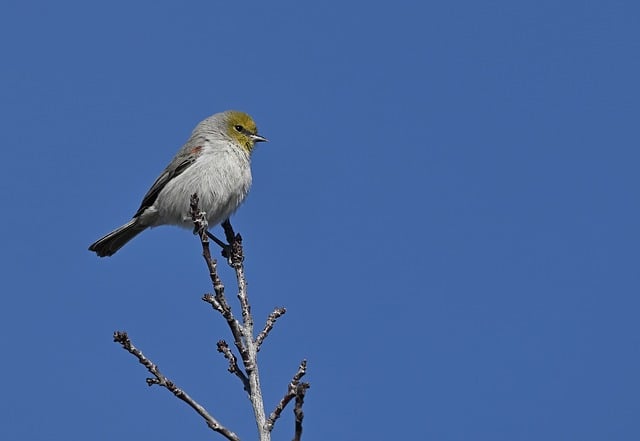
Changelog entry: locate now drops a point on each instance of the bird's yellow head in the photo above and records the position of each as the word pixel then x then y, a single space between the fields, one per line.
pixel 242 129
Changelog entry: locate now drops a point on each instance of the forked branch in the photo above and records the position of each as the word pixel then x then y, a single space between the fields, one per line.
pixel 243 339
pixel 295 389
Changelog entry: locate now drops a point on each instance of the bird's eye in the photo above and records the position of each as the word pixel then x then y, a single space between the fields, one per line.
pixel 238 128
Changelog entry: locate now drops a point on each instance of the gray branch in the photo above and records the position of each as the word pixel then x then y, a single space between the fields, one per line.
pixel 243 339
pixel 301 390
pixel 292 392
pixel 271 321
pixel 161 380
pixel 223 347
pixel 251 361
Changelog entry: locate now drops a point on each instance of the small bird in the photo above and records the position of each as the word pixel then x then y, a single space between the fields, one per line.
pixel 215 163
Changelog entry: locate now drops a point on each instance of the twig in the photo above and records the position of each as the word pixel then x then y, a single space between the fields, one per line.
pixel 200 226
pixel 292 392
pixel 236 261
pixel 199 218
pixel 297 410
pixel 219 301
pixel 161 380
pixel 242 334
pixel 271 321
pixel 223 347
pixel 250 361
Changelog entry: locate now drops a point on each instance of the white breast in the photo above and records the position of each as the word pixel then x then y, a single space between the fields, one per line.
pixel 220 176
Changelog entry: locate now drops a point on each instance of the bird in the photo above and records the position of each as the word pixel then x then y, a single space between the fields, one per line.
pixel 214 163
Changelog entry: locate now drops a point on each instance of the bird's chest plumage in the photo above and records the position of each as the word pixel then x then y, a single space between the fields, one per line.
pixel 221 177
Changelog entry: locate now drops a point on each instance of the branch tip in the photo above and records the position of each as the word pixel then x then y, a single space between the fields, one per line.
pixel 271 321
pixel 160 380
pixel 295 389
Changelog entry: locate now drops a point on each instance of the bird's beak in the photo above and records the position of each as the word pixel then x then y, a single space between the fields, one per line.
pixel 258 138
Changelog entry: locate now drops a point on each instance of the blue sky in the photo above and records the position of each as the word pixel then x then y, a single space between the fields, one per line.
pixel 448 208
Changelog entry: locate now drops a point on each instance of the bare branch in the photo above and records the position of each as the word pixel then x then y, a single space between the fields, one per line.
pixel 223 347
pixel 161 380
pixel 242 334
pixel 251 360
pixel 297 410
pixel 200 226
pixel 211 299
pixel 271 321
pixel 292 391
pixel 219 303
pixel 237 258
pixel 199 218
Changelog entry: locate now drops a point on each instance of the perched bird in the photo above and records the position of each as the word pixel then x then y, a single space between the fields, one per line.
pixel 214 163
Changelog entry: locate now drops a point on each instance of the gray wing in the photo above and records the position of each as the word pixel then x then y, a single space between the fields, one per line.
pixel 168 174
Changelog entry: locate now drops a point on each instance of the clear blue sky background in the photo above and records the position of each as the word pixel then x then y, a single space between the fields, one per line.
pixel 448 208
